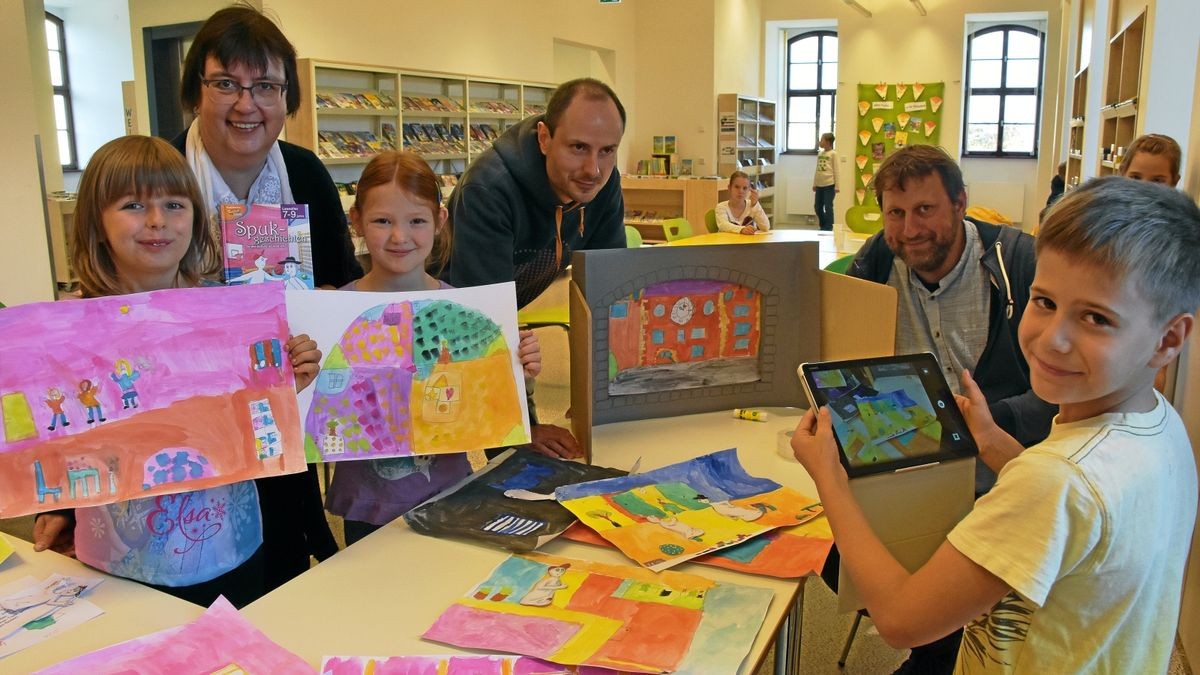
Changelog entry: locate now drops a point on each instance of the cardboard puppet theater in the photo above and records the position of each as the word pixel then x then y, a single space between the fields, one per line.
pixel 663 331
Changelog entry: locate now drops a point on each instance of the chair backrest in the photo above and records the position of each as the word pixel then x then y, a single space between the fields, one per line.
pixel 710 220
pixel 676 228
pixel 633 238
pixel 841 265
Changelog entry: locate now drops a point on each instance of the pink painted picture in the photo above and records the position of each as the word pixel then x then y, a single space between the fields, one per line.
pixel 154 393
pixel 453 664
pixel 221 641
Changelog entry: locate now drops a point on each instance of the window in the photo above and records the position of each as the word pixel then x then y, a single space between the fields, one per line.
pixel 811 88
pixel 1003 85
pixel 57 47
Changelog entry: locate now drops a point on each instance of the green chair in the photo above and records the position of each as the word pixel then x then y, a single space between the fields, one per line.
pixel 633 238
pixel 841 265
pixel 676 228
pixel 710 221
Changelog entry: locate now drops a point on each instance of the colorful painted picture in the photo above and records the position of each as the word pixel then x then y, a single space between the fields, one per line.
pixel 219 641
pixel 682 335
pixel 578 612
pixel 33 611
pixel 407 374
pixel 492 505
pixel 147 394
pixel 666 516
pixel 452 664
pixel 785 553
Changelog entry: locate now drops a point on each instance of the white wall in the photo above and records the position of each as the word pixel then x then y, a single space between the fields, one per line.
pixel 899 45
pixel 99 58
pixel 24 251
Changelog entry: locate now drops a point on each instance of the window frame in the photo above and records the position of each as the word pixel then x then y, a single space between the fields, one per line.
pixel 1003 91
pixel 816 94
pixel 64 90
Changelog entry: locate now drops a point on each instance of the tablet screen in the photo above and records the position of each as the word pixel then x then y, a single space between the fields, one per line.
pixel 889 413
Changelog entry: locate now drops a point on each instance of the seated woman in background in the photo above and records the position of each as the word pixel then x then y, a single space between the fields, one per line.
pixel 742 213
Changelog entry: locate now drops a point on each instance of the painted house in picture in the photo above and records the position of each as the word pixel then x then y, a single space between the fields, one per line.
pixel 684 334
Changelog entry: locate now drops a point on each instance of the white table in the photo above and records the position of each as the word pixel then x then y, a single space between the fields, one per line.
pixel 379 595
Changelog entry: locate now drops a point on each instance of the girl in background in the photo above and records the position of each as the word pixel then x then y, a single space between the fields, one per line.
pixel 1154 158
pixel 742 213
pixel 140 226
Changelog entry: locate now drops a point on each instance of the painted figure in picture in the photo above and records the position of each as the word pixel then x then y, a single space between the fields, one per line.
pixel 542 593
pixel 730 510
pixel 673 524
pixel 87 396
pixel 124 375
pixel 54 400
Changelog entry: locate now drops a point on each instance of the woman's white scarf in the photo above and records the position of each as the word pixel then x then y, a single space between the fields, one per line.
pixel 271 186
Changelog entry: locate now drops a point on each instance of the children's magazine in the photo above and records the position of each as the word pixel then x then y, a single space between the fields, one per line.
pixel 266 242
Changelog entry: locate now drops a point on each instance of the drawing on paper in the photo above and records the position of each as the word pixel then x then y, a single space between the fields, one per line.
pixel 785 553
pixel 410 374
pixel 33 611
pixel 147 394
pixel 683 334
pixel 478 509
pixel 663 517
pixel 219 641
pixel 577 612
pixel 452 664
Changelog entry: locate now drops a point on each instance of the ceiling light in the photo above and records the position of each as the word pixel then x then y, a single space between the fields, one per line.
pixel 919 6
pixel 861 10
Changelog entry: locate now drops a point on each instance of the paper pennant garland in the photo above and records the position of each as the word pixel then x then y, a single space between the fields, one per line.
pixel 902 118
pixel 863 107
pixel 929 127
pixel 935 102
pixel 864 136
pixel 881 89
pixel 866 178
pixel 900 90
pixel 861 161
pixel 918 89
pixel 877 123
pixel 861 195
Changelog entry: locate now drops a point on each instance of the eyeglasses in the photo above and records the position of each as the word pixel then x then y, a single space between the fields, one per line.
pixel 264 93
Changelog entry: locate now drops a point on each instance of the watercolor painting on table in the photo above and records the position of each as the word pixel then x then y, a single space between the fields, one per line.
pixel 785 553
pixel 406 374
pixel 492 505
pixel 452 664
pixel 577 612
pixel 220 641
pixel 146 394
pixel 683 334
pixel 666 516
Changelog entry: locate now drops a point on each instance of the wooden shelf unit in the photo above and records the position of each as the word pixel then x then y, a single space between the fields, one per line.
pixel 688 198
pixel 746 141
pixel 1122 86
pixel 1074 174
pixel 460 100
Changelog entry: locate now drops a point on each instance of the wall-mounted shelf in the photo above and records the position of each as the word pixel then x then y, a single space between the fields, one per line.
pixel 746 142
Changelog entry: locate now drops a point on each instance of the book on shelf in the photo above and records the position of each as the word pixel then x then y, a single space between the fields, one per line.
pixel 266 242
pixel 534 109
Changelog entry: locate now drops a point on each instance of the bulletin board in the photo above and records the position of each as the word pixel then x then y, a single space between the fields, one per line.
pixel 890 116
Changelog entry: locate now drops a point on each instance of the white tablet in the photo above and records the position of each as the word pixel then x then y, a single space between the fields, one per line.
pixel 889 413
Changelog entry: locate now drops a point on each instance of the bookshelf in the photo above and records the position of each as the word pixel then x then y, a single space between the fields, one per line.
pixel 1122 84
pixel 1075 134
pixel 448 119
pixel 651 200
pixel 746 142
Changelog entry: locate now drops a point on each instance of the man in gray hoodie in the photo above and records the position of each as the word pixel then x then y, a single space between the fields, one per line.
pixel 549 186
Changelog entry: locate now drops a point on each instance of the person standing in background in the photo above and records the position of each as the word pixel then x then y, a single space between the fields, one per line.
pixel 825 183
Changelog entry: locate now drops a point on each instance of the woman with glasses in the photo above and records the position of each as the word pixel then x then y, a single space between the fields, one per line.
pixel 239 77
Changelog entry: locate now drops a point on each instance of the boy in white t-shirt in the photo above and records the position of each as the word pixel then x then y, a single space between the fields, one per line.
pixel 1074 561
pixel 825 183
